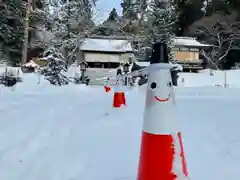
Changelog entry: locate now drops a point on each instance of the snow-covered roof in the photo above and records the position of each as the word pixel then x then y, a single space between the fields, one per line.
pixel 143 63
pixel 106 45
pixel 188 41
pixel 31 64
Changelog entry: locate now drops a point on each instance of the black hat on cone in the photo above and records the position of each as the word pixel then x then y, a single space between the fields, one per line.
pixel 159 53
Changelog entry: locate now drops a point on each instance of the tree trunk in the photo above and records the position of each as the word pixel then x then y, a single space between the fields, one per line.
pixel 26 27
pixel 68 36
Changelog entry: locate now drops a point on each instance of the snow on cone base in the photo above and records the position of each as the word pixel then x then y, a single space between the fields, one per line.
pixel 162 158
pixel 184 164
pixel 119 99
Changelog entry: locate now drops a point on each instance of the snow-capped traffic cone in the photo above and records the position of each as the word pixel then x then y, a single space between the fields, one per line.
pixel 161 155
pixel 119 99
pixel 119 95
pixel 107 88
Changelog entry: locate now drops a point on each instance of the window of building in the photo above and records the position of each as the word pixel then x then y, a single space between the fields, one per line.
pixel 175 49
pixel 194 49
pixel 105 65
pixel 184 49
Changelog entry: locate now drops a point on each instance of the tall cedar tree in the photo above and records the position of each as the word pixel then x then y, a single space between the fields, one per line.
pixel 162 17
pixel 113 16
pixel 188 12
pixel 11 28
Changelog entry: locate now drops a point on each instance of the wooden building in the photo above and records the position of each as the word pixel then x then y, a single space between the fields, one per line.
pixel 105 53
pixel 185 52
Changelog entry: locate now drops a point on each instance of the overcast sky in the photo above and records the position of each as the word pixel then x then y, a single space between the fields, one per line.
pixel 104 7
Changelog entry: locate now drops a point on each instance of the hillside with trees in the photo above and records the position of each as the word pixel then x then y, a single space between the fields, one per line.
pixel 215 22
pixel 63 24
pixel 12 14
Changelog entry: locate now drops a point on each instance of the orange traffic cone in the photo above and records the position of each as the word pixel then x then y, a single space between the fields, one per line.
pixel 119 99
pixel 161 155
pixel 107 88
pixel 119 95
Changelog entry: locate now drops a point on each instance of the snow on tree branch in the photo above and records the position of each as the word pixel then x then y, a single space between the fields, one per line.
pixel 71 20
pixel 161 17
pixel 74 23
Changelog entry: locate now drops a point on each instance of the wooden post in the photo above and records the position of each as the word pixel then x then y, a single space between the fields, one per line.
pixel 26 28
pixel 225 79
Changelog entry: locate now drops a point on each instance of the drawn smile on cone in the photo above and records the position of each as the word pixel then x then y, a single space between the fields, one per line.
pixel 154 85
pixel 162 100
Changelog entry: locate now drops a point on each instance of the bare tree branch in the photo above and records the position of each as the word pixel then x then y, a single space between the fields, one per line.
pixel 221 34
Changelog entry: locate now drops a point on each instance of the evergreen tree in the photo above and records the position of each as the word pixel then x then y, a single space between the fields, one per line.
pixel 54 71
pixel 11 28
pixel 188 12
pixel 161 21
pixel 131 16
pixel 234 4
pixel 214 6
pixel 128 9
pixel 113 16
pixel 71 18
pixel 72 15
pixel 141 7
pixel 12 13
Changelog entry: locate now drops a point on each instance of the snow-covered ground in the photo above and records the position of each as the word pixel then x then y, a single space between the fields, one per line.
pixel 204 79
pixel 73 133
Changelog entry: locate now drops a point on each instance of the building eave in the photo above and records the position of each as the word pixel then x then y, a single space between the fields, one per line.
pixel 192 46
pixel 106 52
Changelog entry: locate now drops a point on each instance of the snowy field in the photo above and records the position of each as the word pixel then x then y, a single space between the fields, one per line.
pixel 73 133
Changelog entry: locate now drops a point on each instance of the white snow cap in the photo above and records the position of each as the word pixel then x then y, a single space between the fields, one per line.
pixel 31 64
pixel 137 81
pixel 187 41
pixel 177 66
pixel 160 116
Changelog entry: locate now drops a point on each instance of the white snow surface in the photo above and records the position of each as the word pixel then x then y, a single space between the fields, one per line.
pixel 203 79
pixel 73 133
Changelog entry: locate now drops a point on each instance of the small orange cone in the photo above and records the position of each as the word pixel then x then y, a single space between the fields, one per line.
pixel 119 99
pixel 107 88
pixel 119 95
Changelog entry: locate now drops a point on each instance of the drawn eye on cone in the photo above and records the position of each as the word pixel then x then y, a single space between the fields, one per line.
pixel 153 85
pixel 152 95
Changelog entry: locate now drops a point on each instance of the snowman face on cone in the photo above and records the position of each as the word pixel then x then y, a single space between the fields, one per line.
pixel 159 89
